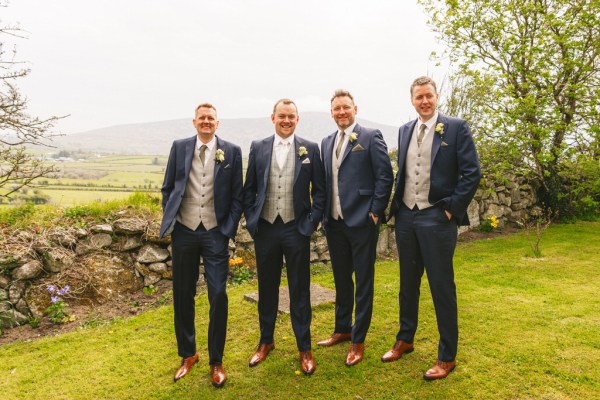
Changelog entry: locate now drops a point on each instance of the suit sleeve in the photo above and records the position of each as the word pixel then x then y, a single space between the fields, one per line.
pixel 250 185
pixel 383 174
pixel 317 187
pixel 169 181
pixel 468 170
pixel 235 212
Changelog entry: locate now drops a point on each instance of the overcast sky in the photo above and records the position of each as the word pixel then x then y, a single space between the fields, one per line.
pixel 127 61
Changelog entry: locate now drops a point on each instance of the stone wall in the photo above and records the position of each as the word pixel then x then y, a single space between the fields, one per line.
pixel 104 261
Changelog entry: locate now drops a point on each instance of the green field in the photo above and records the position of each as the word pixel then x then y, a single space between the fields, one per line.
pixel 529 329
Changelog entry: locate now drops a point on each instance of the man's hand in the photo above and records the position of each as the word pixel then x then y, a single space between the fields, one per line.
pixel 374 217
pixel 448 214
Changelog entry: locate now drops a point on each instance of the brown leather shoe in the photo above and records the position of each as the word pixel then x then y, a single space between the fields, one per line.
pixel 307 362
pixel 261 353
pixel 335 339
pixel 186 365
pixel 440 370
pixel 218 375
pixel 355 355
pixel 400 347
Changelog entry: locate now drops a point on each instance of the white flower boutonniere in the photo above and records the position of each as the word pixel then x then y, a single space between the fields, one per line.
pixel 302 151
pixel 439 128
pixel 219 156
pixel 352 138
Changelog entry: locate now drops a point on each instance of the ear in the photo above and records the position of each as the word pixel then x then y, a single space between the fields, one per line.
pixel 273 118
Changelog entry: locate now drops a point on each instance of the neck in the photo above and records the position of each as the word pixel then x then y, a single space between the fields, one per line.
pixel 205 138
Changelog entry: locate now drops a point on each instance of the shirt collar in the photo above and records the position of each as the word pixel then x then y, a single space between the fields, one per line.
pixel 280 140
pixel 209 145
pixel 348 130
pixel 430 122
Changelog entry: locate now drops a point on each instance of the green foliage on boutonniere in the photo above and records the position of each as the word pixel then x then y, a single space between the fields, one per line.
pixel 302 151
pixel 219 156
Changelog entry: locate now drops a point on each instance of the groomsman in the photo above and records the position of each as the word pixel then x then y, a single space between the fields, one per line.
pixel 202 206
pixel 284 196
pixel 438 174
pixel 359 179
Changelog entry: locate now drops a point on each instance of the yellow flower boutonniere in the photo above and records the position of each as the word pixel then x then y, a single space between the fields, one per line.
pixel 439 128
pixel 302 151
pixel 219 156
pixel 352 138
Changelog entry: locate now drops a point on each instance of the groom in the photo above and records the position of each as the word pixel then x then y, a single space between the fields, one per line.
pixel 438 174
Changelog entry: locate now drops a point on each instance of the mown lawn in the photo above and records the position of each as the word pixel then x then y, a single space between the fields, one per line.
pixel 529 329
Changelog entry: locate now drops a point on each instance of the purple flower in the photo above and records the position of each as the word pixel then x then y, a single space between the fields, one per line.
pixel 51 289
pixel 63 291
pixel 54 299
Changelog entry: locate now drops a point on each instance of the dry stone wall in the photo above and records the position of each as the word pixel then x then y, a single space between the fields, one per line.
pixel 104 261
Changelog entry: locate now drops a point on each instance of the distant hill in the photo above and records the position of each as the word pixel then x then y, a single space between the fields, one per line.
pixel 156 137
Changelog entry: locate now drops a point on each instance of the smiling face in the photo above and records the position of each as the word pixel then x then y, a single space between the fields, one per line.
pixel 285 118
pixel 343 111
pixel 206 123
pixel 424 98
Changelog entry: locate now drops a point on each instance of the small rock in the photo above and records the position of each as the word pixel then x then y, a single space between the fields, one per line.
pixel 102 228
pixel 126 243
pixel 3 295
pixel 151 254
pixel 159 268
pixel 16 291
pixel 151 279
pixel 27 271
pixel 95 242
pixel 57 260
pixel 130 226
pixel 4 281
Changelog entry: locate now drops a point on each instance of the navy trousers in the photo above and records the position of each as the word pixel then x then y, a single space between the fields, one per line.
pixel 426 240
pixel 271 243
pixel 188 247
pixel 353 251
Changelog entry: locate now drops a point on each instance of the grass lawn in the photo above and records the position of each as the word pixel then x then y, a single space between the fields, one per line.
pixel 529 329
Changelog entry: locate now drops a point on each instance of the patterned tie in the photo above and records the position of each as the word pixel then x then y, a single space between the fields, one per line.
pixel 421 134
pixel 202 154
pixel 339 146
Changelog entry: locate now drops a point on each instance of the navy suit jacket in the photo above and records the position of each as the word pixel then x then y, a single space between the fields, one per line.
pixel 227 185
pixel 365 177
pixel 455 169
pixel 308 182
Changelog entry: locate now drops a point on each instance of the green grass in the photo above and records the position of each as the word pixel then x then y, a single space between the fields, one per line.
pixel 529 329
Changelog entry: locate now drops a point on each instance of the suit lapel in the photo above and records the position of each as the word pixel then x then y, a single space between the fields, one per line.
pixel 298 163
pixel 190 148
pixel 349 145
pixel 437 139
pixel 266 154
pixel 218 146
pixel 405 137
pixel 328 152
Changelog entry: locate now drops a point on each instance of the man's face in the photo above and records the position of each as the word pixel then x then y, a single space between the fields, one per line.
pixel 424 99
pixel 285 119
pixel 206 122
pixel 343 111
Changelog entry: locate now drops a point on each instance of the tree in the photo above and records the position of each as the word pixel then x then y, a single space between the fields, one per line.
pixel 537 65
pixel 18 129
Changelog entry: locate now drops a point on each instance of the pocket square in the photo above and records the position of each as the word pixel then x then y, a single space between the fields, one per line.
pixel 358 147
pixel 306 161
pixel 227 166
pixel 444 144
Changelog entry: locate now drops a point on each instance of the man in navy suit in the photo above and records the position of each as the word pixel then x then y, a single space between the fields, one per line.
pixel 284 173
pixel 202 206
pixel 438 174
pixel 359 180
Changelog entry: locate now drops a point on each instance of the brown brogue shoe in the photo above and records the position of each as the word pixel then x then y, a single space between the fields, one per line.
pixel 335 339
pixel 307 362
pixel 186 365
pixel 261 353
pixel 355 355
pixel 400 347
pixel 218 375
pixel 440 370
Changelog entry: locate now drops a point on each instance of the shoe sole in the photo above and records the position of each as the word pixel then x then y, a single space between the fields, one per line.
pixel 396 359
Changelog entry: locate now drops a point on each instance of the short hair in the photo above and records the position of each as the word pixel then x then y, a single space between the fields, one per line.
pixel 286 102
pixel 342 93
pixel 422 80
pixel 204 105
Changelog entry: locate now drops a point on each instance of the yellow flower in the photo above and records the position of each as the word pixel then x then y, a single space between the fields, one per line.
pixel 236 261
pixel 219 156
pixel 439 128
pixel 353 137
pixel 302 151
pixel 297 372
